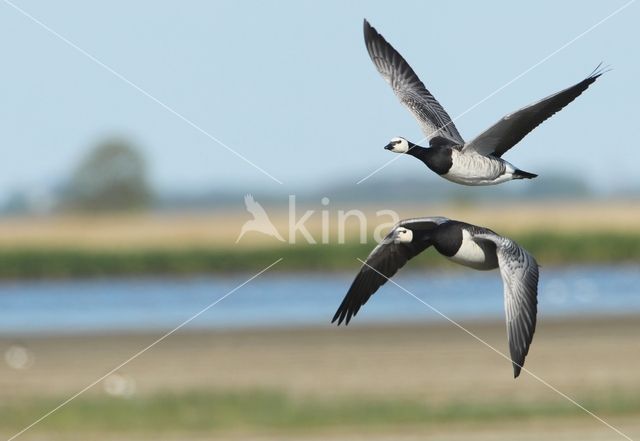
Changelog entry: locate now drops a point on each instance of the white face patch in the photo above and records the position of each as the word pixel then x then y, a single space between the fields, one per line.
pixel 400 145
pixel 403 235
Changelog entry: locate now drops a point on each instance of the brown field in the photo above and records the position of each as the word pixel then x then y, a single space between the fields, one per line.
pixel 220 229
pixel 437 364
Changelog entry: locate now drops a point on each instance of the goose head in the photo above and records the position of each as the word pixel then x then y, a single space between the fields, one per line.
pixel 398 145
pixel 403 235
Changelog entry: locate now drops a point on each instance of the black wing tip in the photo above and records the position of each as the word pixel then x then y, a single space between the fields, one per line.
pixel 518 364
pixel 516 370
pixel 342 316
pixel 370 33
pixel 366 26
pixel 517 360
pixel 600 69
pixel 372 37
pixel 344 313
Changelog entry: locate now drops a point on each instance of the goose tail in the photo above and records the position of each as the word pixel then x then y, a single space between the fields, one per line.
pixel 521 174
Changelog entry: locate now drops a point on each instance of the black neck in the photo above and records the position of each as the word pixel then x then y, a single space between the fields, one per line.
pixel 419 152
pixel 437 159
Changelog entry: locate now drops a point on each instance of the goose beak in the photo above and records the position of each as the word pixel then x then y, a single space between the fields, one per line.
pixel 388 146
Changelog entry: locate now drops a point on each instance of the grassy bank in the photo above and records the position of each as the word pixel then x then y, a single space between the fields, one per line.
pixel 394 382
pixel 258 411
pixel 65 262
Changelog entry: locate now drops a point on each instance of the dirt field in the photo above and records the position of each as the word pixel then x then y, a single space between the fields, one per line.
pixel 222 228
pixel 436 364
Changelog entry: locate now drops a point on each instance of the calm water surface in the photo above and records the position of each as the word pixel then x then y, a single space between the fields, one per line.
pixel 298 299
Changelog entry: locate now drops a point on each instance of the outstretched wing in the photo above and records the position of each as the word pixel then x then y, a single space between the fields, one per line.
pixel 254 208
pixel 383 262
pixel 510 130
pixel 433 119
pixel 519 271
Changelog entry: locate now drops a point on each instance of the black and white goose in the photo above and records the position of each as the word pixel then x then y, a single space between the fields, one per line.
pixel 469 245
pixel 477 162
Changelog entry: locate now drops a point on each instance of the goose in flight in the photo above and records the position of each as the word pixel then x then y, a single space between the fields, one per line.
pixel 260 222
pixel 478 162
pixel 468 245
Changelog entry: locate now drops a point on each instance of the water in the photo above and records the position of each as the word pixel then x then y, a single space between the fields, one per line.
pixel 298 299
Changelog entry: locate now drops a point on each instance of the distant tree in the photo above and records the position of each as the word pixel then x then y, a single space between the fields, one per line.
pixel 112 177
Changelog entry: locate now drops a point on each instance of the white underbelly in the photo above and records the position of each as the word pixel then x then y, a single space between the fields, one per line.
pixel 466 180
pixel 474 169
pixel 470 254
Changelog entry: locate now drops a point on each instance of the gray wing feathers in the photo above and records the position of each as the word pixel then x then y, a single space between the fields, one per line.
pixel 510 130
pixel 433 119
pixel 519 271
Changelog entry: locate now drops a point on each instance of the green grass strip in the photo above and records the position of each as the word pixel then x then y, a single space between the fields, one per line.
pixel 260 410
pixel 549 249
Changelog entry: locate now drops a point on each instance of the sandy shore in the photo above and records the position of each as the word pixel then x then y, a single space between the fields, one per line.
pixel 583 358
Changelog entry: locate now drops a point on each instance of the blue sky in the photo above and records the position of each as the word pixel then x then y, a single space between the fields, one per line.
pixel 289 85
